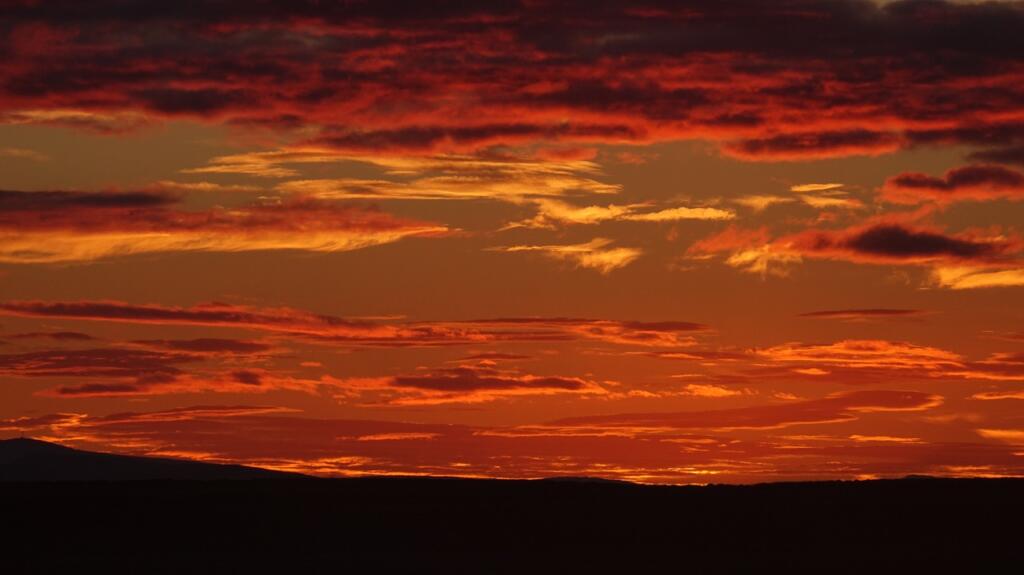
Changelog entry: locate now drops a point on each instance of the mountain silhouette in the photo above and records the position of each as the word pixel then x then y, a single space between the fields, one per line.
pixel 452 526
pixel 33 460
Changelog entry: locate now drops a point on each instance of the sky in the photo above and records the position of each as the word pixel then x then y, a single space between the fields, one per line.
pixel 667 242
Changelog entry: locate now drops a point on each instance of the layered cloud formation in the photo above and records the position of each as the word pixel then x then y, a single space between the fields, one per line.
pixel 60 226
pixel 628 446
pixel 660 241
pixel 783 80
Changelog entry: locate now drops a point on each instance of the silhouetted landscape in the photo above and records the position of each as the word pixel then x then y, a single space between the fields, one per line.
pixel 529 286
pixel 213 522
pixel 32 460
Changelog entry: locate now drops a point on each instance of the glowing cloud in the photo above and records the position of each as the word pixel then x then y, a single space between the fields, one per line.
pixel 865 354
pixel 428 178
pixel 955 258
pixel 330 330
pixel 550 212
pixel 967 277
pixel 802 188
pixel 832 409
pixel 594 254
pixel 47 227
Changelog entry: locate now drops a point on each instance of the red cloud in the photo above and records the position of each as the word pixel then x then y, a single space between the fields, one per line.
pixel 970 183
pixel 191 413
pixel 879 242
pixel 847 362
pixel 80 226
pixel 462 384
pixel 841 407
pixel 55 335
pixel 32 423
pixel 803 146
pixel 1010 154
pixel 340 331
pixel 731 238
pixel 864 314
pixel 865 354
pixel 86 363
pixel 467 379
pixel 896 243
pixel 162 367
pixel 246 381
pixel 191 366
pixel 270 437
pixel 207 345
pixel 283 319
pixel 771 81
pixel 101 390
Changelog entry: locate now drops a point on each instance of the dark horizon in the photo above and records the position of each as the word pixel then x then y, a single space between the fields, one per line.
pixel 27 459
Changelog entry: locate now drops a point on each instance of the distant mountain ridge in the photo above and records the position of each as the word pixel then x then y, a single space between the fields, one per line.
pixel 25 459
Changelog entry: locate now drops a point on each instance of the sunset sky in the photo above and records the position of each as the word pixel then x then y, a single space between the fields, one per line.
pixel 668 242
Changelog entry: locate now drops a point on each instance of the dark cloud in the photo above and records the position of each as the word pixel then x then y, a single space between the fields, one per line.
pixel 112 362
pixel 1005 155
pixel 123 371
pixel 23 203
pixel 864 313
pixel 331 330
pixel 775 80
pixel 668 326
pixel 199 102
pixel 465 379
pixel 207 345
pixel 990 133
pixel 99 389
pixel 247 377
pixel 425 138
pixel 664 326
pixel 131 371
pixel 899 242
pixel 889 239
pixel 55 335
pixel 207 315
pixel 814 145
pixel 147 211
pixel 978 183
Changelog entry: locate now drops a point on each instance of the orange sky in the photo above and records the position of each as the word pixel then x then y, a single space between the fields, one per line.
pixel 680 242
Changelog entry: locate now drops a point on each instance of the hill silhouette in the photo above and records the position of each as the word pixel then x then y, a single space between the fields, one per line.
pixel 24 459
pixel 446 525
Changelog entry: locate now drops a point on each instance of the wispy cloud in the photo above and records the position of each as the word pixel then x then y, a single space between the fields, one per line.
pixel 64 226
pixel 597 254
pixel 553 212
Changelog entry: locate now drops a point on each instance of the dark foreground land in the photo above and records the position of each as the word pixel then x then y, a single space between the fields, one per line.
pixel 301 525
pixel 469 526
